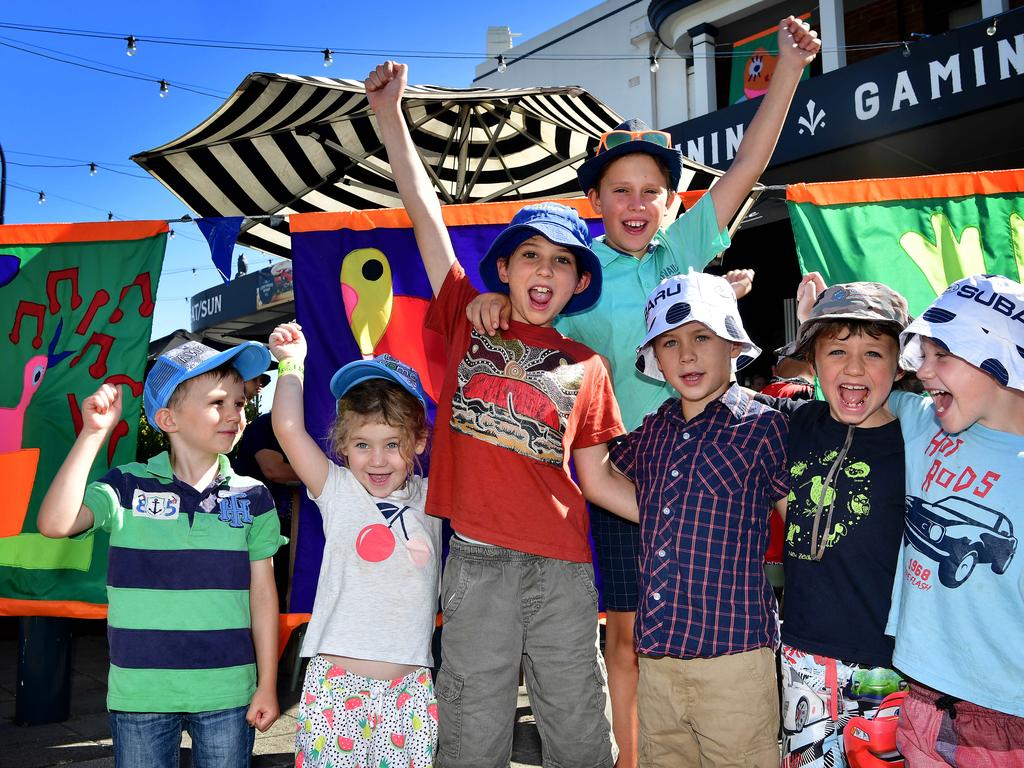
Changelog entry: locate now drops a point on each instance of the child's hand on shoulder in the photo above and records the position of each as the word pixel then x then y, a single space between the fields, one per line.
pixel 287 342
pixel 798 43
pixel 488 312
pixel 102 409
pixel 385 85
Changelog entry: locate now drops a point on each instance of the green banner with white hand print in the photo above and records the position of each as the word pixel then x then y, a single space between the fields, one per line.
pixel 76 310
pixel 916 234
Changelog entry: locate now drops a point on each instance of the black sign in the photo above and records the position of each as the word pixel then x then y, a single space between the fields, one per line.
pixel 928 81
pixel 242 296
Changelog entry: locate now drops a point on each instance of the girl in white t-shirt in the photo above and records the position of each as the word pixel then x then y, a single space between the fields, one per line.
pixel 368 697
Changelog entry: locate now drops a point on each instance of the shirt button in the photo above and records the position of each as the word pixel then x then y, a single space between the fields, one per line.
pixel 686 435
pixel 656 596
pixel 661 553
pixel 674 473
pixel 666 511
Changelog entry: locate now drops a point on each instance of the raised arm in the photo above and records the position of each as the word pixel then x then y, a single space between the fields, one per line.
pixel 384 88
pixel 62 512
pixel 798 45
pixel 287 414
pixel 602 484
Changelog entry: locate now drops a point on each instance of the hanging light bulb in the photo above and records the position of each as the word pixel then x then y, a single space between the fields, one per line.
pixel 164 88
pixel 171 235
pixel 502 66
pixel 655 65
pixel 110 215
pixel 131 46
pixel 992 28
pixel 42 198
pixel 906 50
pixel 328 57
pixel 92 169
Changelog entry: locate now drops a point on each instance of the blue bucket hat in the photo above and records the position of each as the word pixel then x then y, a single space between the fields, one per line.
pixel 589 174
pixel 381 367
pixel 561 225
pixel 192 359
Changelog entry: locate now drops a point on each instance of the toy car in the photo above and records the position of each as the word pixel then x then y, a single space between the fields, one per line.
pixel 870 741
pixel 958 534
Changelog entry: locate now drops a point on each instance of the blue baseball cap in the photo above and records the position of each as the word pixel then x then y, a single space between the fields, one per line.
pixel 191 359
pixel 589 174
pixel 381 367
pixel 561 225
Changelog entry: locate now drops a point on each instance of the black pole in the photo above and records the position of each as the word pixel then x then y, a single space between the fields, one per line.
pixel 44 670
pixel 3 183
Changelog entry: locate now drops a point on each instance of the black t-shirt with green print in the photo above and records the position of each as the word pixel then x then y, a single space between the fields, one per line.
pixel 837 606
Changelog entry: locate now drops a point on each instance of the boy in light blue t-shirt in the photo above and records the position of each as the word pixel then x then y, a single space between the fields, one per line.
pixel 958 601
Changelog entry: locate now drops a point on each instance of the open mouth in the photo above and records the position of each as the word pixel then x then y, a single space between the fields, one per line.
pixel 853 395
pixel 540 297
pixel 692 379
pixel 942 399
pixel 379 480
pixel 634 227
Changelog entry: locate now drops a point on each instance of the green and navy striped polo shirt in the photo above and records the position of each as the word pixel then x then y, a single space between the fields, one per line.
pixel 178 581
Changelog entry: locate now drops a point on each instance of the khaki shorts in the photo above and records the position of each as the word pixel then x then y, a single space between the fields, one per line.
pixel 717 712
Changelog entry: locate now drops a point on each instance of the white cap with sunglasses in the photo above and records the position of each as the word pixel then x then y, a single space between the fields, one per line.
pixel 632 136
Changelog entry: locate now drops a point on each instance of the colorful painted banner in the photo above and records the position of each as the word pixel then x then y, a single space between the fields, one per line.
pixel 753 64
pixel 76 306
pixel 916 234
pixel 360 290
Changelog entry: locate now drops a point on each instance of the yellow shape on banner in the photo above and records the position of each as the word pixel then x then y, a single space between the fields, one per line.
pixel 367 293
pixel 947 258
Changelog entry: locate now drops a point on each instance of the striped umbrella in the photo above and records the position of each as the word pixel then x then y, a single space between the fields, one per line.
pixel 285 144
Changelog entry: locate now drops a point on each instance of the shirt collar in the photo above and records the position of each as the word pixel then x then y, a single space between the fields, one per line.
pixel 608 254
pixel 732 400
pixel 160 466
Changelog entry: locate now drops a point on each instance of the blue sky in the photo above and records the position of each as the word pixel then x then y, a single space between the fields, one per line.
pixel 57 114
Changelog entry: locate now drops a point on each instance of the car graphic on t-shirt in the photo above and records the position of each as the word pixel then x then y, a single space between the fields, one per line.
pixel 958 534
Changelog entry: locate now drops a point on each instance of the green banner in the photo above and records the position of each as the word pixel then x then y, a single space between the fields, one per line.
pixel 916 235
pixel 753 63
pixel 76 309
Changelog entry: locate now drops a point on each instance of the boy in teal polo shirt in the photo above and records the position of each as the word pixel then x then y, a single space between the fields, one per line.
pixel 192 621
pixel 631 182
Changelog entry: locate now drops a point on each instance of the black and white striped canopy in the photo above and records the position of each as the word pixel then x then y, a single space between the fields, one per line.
pixel 285 144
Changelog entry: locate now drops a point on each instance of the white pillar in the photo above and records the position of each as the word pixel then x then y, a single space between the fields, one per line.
pixel 833 35
pixel 993 7
pixel 705 97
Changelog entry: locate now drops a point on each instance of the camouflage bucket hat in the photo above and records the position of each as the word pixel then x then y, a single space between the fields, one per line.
pixel 864 301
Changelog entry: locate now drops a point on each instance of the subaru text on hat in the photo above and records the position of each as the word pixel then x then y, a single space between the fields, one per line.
pixel 192 359
pixel 693 297
pixel 561 225
pixel 381 367
pixel 980 319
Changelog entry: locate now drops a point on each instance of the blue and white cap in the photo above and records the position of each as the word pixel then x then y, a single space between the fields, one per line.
pixel 980 319
pixel 693 297
pixel 381 367
pixel 191 359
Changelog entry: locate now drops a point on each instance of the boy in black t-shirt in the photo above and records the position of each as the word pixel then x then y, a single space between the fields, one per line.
pixel 844 523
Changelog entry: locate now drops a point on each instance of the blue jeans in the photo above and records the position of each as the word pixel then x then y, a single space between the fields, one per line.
pixel 220 739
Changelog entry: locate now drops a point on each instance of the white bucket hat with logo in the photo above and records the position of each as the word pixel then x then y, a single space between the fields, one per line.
pixel 980 319
pixel 693 297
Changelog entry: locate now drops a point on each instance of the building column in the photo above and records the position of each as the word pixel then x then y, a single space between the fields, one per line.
pixel 833 35
pixel 705 96
pixel 993 7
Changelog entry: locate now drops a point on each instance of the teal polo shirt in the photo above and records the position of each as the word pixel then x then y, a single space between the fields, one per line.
pixel 614 326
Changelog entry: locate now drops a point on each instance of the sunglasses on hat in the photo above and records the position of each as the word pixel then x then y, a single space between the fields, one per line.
pixel 616 138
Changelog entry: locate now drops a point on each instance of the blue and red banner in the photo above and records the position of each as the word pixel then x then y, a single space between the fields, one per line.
pixel 360 290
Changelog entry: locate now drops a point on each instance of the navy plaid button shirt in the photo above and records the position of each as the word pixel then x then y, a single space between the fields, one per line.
pixel 704 488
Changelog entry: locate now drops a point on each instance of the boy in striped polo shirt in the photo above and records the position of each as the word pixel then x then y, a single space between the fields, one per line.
pixel 192 621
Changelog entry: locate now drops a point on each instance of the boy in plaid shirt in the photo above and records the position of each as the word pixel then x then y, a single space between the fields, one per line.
pixel 706 468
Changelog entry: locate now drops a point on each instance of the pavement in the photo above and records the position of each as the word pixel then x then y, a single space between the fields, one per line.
pixel 83 739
